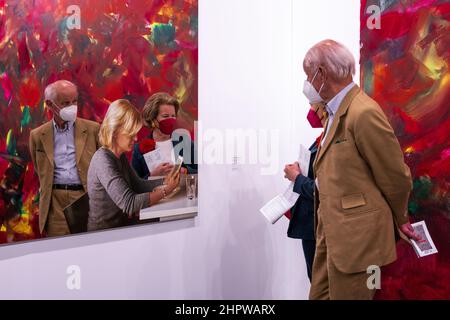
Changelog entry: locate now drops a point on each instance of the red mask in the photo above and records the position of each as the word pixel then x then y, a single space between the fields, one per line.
pixel 314 119
pixel 167 126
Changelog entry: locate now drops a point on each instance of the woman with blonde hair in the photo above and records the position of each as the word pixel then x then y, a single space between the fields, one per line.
pixel 116 193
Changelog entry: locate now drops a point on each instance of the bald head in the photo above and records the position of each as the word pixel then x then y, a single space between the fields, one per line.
pixel 61 92
pixel 329 67
pixel 59 95
pixel 334 57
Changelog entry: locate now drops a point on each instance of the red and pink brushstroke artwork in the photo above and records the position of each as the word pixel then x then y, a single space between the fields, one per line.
pixel 405 68
pixel 123 49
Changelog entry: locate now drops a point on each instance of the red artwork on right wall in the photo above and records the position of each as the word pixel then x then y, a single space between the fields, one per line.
pixel 405 59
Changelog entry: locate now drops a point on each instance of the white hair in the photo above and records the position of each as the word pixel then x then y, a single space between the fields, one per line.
pixel 51 91
pixel 333 56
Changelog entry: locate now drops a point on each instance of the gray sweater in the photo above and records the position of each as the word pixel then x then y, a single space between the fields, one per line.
pixel 115 190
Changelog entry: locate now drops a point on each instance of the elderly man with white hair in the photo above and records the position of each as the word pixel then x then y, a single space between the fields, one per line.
pixel 362 183
pixel 61 151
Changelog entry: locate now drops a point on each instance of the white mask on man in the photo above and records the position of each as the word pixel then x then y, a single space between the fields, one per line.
pixel 310 92
pixel 68 113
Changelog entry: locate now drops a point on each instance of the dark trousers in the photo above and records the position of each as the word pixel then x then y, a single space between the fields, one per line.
pixel 309 249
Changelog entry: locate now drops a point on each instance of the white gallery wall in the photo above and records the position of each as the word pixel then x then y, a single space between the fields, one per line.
pixel 250 81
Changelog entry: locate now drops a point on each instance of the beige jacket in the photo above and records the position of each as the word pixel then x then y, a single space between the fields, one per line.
pixel 41 149
pixel 364 185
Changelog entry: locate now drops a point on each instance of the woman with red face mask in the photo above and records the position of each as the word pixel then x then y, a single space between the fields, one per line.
pixel 160 116
pixel 301 224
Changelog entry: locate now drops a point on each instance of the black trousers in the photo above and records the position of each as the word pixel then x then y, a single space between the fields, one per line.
pixel 309 249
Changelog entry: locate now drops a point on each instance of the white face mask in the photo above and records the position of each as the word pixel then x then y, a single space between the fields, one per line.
pixel 69 113
pixel 310 92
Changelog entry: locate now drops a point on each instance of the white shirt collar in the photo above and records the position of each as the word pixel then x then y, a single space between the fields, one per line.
pixel 69 124
pixel 333 104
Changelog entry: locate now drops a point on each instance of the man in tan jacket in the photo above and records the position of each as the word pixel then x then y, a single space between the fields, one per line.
pixel 61 151
pixel 362 183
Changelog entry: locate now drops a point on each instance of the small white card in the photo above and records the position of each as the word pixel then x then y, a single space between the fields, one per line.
pixel 426 246
pixel 153 159
pixel 278 206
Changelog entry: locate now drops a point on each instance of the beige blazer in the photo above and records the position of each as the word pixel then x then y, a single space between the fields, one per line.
pixel 364 185
pixel 41 149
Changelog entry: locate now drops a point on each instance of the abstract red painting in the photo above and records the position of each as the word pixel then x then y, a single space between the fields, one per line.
pixel 405 60
pixel 110 49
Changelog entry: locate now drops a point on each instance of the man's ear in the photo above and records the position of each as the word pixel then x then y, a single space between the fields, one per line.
pixel 323 73
pixel 49 104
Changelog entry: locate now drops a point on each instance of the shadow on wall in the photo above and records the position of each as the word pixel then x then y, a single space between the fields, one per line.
pixel 247 254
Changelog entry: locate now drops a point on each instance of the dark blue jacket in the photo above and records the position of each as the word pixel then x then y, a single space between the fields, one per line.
pixel 139 165
pixel 301 225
